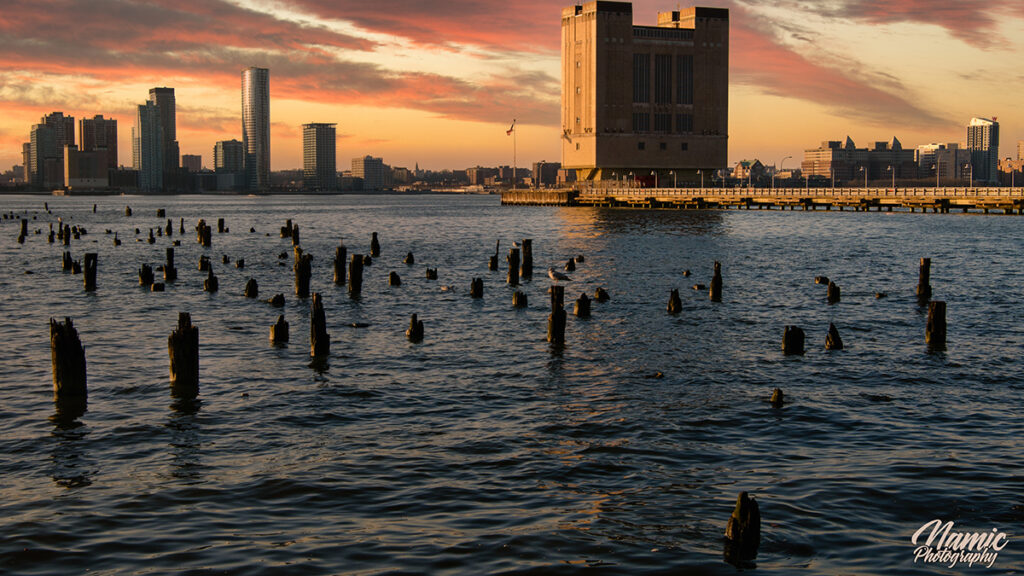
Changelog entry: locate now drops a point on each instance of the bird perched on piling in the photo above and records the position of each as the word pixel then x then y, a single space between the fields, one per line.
pixel 556 275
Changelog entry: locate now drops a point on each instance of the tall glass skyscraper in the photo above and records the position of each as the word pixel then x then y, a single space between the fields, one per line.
pixel 983 142
pixel 164 100
pixel 148 147
pixel 256 127
pixel 319 157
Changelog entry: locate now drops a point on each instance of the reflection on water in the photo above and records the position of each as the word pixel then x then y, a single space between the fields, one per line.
pixel 185 440
pixel 70 465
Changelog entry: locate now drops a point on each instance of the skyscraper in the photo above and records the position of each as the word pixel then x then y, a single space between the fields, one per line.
pixel 643 99
pixel 99 133
pixel 256 127
pixel 228 156
pixel 147 147
pixel 46 168
pixel 164 99
pixel 319 160
pixel 375 173
pixel 983 142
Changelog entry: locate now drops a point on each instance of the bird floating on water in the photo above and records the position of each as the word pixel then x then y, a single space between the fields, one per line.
pixel 556 275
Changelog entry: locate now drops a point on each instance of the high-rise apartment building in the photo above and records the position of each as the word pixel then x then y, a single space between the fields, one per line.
pixel 164 100
pixel 26 159
pixel 192 162
pixel 375 173
pixel 85 169
pixel 644 99
pixel 319 160
pixel 228 156
pixel 256 127
pixel 983 142
pixel 946 162
pixel 99 134
pixel 147 147
pixel 47 142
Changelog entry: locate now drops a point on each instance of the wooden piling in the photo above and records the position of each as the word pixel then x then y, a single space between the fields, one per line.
pixel 513 266
pixel 340 256
pixel 24 228
pixel 743 532
pixel 793 341
pixel 252 289
pixel 582 307
pixel 319 339
pixel 832 340
pixel 169 229
pixel 295 235
pixel 220 226
pixel 152 239
pixel 279 331
pixel 601 295
pixel 367 260
pixel 181 226
pixel 924 287
pixel 157 287
pixel 431 273
pixel 409 259
pixel 778 398
pixel 240 263
pixel 127 210
pixel 557 318
pixel 183 349
pixel 68 359
pixel 146 275
pixel 834 294
pixel 66 262
pixel 211 284
pixel 415 331
pixel 716 284
pixel 492 262
pixel 374 246
pixel 675 304
pixel 821 280
pixel 50 237
pixel 286 230
pixel 303 271
pixel 355 276
pixel 204 263
pixel 170 272
pixel 224 259
pixel 89 278
pixel 570 265
pixel 67 235
pixel 527 267
pixel 476 288
pixel 935 329
pixel 277 301
pixel 519 299
pixel 394 279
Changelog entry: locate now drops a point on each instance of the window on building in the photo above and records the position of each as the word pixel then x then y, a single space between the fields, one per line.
pixel 577 145
pixel 684 123
pixel 662 79
pixel 663 146
pixel 641 122
pixel 641 145
pixel 663 123
pixel 684 146
pixel 685 79
pixel 642 78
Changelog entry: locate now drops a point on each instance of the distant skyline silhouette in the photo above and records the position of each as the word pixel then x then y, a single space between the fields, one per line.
pixel 438 84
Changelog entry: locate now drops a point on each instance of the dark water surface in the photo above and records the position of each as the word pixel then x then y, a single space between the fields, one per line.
pixel 483 451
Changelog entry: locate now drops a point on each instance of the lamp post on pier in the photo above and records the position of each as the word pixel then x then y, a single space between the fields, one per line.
pixel 675 182
pixel 970 184
pixel 890 169
pixel 864 170
pixel 779 170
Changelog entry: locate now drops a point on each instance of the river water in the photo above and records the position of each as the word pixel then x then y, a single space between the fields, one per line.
pixel 484 450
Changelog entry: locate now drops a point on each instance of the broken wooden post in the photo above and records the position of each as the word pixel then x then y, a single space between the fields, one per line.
pixel 295 235
pixel 240 263
pixel 146 275
pixel 181 225
pixel 340 256
pixel 367 260
pixel 286 230
pixel 66 261
pixel 935 329
pixel 161 212
pixel 252 289
pixel 793 340
pixel 157 287
pixel 832 340
pixel 68 360
pixel 224 259
pixel 169 230
pixel 415 331
pixel 675 305
pixel 204 263
pixel 519 299
pixel 582 307
pixel 527 269
pixel 277 301
pixel 821 280
pixel 319 339
pixel 833 296
pixel 211 283
pixel 601 295
pixel 431 273
pixel 924 287
pixel 183 348
pixel 279 331
pixel 556 320
pixel 127 210
pixel 570 265
pixel 303 270
pixel 170 272
pixel 50 236
pixel 778 398
pixel 409 259
pixel 716 283
pixel 743 532
pixel 374 246
pixel 394 279
pixel 220 225
pixel 513 266
pixel 492 262
pixel 67 235
pixel 24 231
pixel 89 278
pixel 476 288
pixel 152 239
pixel 355 275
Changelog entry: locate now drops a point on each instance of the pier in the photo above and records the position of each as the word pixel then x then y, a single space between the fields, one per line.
pixel 940 200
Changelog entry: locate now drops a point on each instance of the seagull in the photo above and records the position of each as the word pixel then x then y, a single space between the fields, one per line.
pixel 556 275
pixel 515 244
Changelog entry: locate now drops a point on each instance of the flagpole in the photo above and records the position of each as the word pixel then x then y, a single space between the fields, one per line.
pixel 513 154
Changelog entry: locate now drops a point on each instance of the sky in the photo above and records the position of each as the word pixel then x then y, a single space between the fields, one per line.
pixel 439 83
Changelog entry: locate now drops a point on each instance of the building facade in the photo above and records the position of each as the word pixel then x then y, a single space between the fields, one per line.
pixel 147 148
pixel 319 159
pixel 644 99
pixel 844 162
pixel 228 156
pixel 164 100
pixel 946 162
pixel 376 175
pixel 256 127
pixel 192 162
pixel 99 134
pixel 85 169
pixel 47 142
pixel 983 142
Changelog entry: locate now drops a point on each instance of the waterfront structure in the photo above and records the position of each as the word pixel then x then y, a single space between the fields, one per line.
pixel 643 99
pixel 85 169
pixel 147 147
pixel 319 159
pixel 256 127
pixel 947 162
pixel 164 100
pixel 99 134
pixel 983 142
pixel 545 173
pixel 192 162
pixel 376 175
pixel 844 162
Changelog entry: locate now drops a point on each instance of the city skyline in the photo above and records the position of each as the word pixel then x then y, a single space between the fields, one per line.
pixel 438 85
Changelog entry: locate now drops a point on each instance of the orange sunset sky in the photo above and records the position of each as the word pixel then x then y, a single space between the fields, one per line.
pixel 439 82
